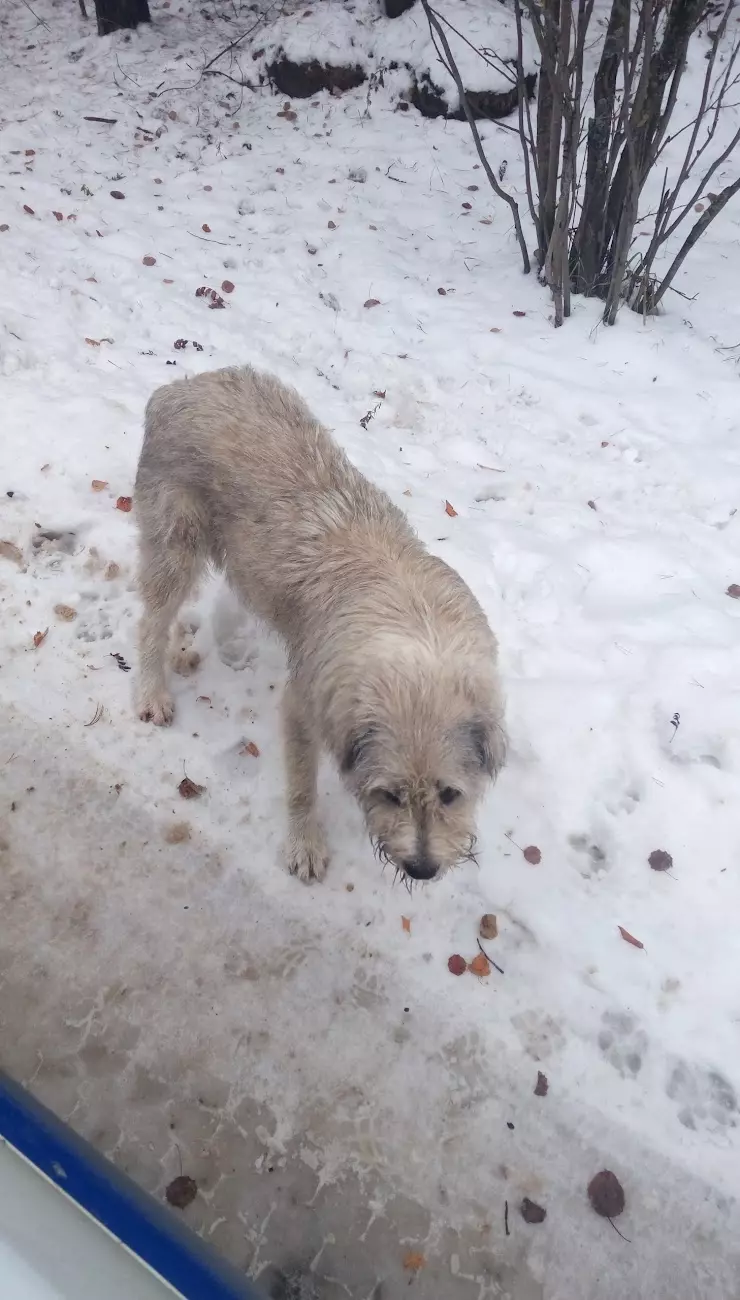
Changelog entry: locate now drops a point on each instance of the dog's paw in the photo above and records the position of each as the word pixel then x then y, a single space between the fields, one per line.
pixel 308 857
pixel 157 709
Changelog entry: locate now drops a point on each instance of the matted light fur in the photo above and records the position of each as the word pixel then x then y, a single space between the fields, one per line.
pixel 392 665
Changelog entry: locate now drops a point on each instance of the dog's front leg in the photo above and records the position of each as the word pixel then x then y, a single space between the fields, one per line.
pixel 307 852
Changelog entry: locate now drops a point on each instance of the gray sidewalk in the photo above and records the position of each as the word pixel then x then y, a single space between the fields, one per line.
pixel 172 1046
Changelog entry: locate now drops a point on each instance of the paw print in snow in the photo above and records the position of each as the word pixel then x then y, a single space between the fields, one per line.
pixel 706 1100
pixel 622 1043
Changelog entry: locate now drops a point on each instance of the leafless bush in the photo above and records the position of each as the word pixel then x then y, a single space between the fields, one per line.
pixel 585 187
pixel 602 129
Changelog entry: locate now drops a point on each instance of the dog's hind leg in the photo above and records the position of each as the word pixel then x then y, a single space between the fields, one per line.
pixel 168 570
pixel 307 853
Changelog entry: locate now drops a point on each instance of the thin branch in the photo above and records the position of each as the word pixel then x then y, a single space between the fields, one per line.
pixel 529 152
pixel 452 68
pixel 697 230
pixel 39 21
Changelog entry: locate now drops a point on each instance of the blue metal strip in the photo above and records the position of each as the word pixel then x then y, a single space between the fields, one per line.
pixel 148 1229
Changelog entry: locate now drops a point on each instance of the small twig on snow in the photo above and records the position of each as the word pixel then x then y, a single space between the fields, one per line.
pixel 489 959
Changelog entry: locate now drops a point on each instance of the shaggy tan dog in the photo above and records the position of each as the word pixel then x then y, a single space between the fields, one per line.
pixel 392 665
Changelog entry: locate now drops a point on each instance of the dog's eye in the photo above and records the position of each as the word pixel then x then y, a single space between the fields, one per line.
pixel 448 795
pixel 390 796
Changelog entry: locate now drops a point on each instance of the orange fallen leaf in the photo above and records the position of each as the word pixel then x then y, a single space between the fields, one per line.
pixel 250 748
pixel 99 484
pixel 480 965
pixel 630 938
pixel 124 504
pixel 406 923
pixel 450 510
pixel 414 1261
pixel 40 637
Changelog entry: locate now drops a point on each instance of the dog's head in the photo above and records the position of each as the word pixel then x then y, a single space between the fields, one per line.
pixel 426 743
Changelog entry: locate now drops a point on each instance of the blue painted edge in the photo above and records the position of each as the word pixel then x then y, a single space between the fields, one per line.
pixel 149 1230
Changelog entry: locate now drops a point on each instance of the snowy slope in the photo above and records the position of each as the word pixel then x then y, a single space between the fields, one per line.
pixel 595 477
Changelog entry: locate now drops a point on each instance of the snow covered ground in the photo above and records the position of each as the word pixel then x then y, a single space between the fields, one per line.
pixel 335 1091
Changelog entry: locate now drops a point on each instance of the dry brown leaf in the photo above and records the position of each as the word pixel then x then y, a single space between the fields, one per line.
pixel 9 551
pixel 659 860
pixel 457 965
pixel 407 492
pixel 531 1212
pixel 413 1261
pixel 65 612
pixel 40 637
pixel 99 484
pixel 406 923
pixel 124 504
pixel 189 790
pixel 606 1194
pixel 251 749
pixel 734 590
pixel 532 855
pixel 149 260
pixel 630 938
pixel 450 510
pixel 206 228
pixel 518 313
pixel 371 302
pixel 480 965
pixel 117 194
pixel 181 1192
pixel 59 215
pixel 542 1085
pixel 112 571
pixel 488 926
pixel 30 211
pixel 94 343
pixel 227 286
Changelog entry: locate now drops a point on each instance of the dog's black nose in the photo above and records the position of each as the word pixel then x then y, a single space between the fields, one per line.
pixel 420 868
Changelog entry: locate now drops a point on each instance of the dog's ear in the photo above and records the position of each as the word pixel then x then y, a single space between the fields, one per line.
pixel 355 748
pixel 486 745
